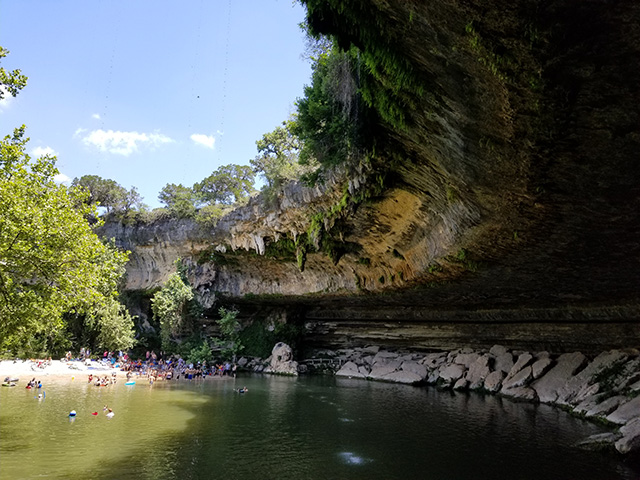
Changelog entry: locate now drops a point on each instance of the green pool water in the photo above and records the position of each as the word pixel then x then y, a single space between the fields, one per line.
pixel 289 428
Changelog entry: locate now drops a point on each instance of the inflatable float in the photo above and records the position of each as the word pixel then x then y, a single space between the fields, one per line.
pixel 130 383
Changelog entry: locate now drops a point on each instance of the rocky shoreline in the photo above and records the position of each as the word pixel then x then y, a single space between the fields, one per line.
pixel 603 388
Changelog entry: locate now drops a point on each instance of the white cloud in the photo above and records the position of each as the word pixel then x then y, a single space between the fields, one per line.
pixel 205 140
pixel 6 100
pixel 96 116
pixel 79 132
pixel 123 143
pixel 42 151
pixel 61 178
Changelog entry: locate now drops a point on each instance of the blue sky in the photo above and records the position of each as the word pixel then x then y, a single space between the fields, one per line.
pixel 150 92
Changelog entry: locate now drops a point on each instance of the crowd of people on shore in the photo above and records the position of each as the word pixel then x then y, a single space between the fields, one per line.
pixel 153 367
pixel 158 367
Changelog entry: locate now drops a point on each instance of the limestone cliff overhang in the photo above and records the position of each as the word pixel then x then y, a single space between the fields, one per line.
pixel 519 184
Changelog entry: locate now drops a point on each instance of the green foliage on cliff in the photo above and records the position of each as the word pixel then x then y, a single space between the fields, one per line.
pixel 331 117
pixel 229 329
pixel 387 81
pixel 169 308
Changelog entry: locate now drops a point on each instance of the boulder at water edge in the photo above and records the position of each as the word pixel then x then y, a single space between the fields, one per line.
pixel 281 360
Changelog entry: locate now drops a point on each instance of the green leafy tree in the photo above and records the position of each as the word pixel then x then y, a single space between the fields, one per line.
pixel 227 185
pixel 230 330
pixel 278 155
pixel 168 307
pixel 131 201
pixel 51 261
pixel 112 324
pixel 10 82
pixel 181 201
pixel 103 192
pixel 109 194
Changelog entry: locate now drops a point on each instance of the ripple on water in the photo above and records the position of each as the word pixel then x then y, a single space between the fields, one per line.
pixel 351 458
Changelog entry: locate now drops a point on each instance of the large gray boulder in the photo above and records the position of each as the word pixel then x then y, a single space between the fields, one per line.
pixel 503 363
pixel 381 370
pixel 434 360
pixel 626 412
pixel 466 359
pixel 493 382
pixel 383 356
pixel 540 367
pixel 523 360
pixel 520 393
pixel 547 386
pixel 350 369
pixel 461 384
pixel 567 393
pixel 630 440
pixel 401 376
pixel 478 371
pixel 415 368
pixel 520 379
pixel 451 373
pixel 281 360
pixel 605 407
pixel 498 350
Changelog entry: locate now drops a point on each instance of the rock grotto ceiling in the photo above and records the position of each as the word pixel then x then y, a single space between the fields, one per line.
pixel 508 212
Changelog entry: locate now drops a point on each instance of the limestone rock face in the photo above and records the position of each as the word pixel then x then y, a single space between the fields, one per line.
pixel 281 360
pixel 507 178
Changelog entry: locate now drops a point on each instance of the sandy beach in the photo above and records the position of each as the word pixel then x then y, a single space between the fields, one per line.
pixel 28 369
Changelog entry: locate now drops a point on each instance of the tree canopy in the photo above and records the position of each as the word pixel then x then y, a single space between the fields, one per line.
pixel 180 200
pixel 277 158
pixel 109 194
pixel 228 184
pixel 51 262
